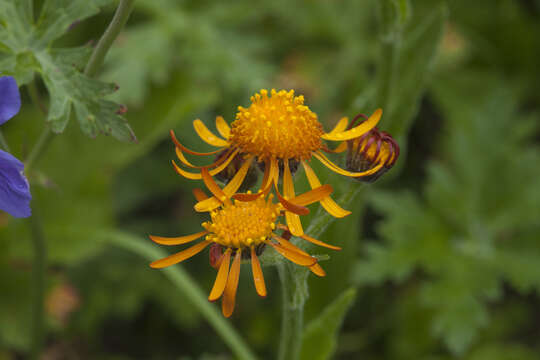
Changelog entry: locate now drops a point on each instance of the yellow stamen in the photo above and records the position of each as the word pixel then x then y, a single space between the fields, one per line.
pixel 242 224
pixel 278 125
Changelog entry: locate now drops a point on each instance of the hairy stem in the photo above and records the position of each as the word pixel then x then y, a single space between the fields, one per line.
pixel 294 295
pixel 117 23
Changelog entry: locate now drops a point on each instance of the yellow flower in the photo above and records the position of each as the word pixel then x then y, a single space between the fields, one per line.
pixel 374 147
pixel 279 131
pixel 242 227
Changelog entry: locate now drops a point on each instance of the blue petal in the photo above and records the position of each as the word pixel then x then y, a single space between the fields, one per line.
pixel 10 98
pixel 14 189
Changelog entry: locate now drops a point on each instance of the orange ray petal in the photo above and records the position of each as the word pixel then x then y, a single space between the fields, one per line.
pixel 246 197
pixel 310 239
pixel 314 195
pixel 273 173
pixel 293 220
pixel 213 186
pixel 177 240
pixel 266 174
pixel 181 256
pixel 320 243
pixel 317 270
pixel 327 203
pixel 234 184
pixel 258 277
pixel 290 206
pixel 208 204
pixel 198 176
pixel 229 296
pixel 222 127
pixel 322 158
pixel 221 278
pixel 207 136
pixel 185 149
pixel 294 256
pixel 229 189
pixel 199 194
pixel 186 162
pixel 357 131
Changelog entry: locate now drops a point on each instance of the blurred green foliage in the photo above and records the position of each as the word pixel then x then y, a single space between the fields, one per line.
pixel 443 251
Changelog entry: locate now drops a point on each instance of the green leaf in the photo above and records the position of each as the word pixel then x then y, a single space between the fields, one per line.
pixel 319 340
pixel 472 228
pixel 58 15
pixel 27 48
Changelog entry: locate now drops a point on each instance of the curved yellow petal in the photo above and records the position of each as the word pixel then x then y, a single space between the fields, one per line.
pixel 198 176
pixel 320 243
pixel 357 131
pixel 181 256
pixel 213 186
pixel 327 202
pixel 293 220
pixel 317 270
pixel 340 126
pixel 340 148
pixel 234 184
pixel 258 277
pixel 177 240
pixel 178 144
pixel 185 161
pixel 313 196
pixel 199 194
pixel 271 173
pixel 207 136
pixel 294 256
pixel 229 295
pixel 341 171
pixel 229 189
pixel 222 127
pixel 221 278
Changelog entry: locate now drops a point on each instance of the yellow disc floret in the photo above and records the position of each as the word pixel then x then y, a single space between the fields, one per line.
pixel 242 224
pixel 278 125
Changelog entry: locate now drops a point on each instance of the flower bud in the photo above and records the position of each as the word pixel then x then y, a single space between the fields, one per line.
pixel 369 150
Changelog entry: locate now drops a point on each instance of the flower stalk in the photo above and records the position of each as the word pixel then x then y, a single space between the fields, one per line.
pixel 294 295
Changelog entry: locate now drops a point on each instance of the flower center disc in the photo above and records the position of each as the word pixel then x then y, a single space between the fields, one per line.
pixel 279 126
pixel 242 224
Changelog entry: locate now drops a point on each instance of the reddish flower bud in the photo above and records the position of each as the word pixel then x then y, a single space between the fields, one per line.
pixel 369 150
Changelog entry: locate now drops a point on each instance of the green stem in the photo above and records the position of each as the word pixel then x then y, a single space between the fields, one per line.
pixel 39 269
pixel 292 317
pixel 3 142
pixel 117 23
pixel 39 148
pixel 181 279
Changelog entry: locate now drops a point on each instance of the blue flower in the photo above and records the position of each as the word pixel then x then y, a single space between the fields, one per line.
pixel 14 188
pixel 10 99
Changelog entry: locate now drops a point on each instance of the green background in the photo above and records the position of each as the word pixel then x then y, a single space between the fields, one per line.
pixel 441 256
